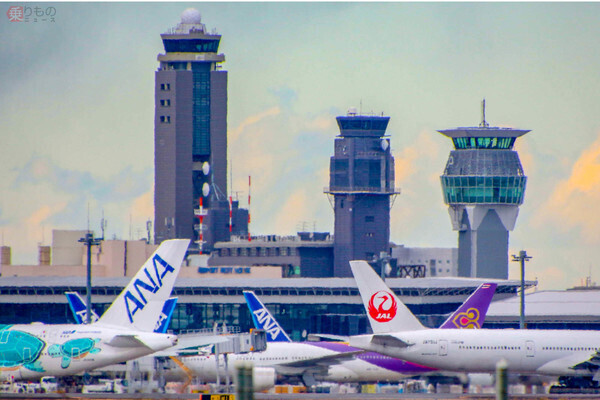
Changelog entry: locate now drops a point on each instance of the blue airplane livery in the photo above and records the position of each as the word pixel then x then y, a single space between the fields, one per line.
pixel 79 310
pixel 263 319
pixel 140 302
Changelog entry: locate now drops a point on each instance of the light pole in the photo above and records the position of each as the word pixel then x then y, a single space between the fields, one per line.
pixel 89 241
pixel 522 257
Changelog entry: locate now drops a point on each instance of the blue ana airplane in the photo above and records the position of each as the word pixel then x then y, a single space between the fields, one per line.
pixel 333 361
pixel 124 332
pixel 572 355
pixel 79 309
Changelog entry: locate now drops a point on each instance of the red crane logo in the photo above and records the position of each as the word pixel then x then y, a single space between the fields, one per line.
pixel 382 306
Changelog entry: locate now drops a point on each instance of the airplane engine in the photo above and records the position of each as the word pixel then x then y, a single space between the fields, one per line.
pixel 263 378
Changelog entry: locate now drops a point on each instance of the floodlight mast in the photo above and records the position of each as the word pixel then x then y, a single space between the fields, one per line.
pixel 522 257
pixel 89 241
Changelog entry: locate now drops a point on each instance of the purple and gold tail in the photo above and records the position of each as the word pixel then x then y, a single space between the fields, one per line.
pixel 472 312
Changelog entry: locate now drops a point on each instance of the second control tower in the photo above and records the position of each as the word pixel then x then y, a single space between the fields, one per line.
pixel 483 185
pixel 361 181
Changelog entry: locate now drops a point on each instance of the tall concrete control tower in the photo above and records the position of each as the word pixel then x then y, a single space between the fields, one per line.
pixel 361 182
pixel 483 185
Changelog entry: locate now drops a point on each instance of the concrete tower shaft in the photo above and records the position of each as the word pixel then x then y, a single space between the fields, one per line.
pixel 361 183
pixel 484 185
pixel 191 135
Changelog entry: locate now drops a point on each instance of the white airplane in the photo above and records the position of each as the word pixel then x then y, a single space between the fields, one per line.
pixel 570 354
pixel 124 332
pixel 330 361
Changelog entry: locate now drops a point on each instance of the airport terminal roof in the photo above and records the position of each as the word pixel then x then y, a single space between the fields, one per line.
pixel 416 289
pixel 549 305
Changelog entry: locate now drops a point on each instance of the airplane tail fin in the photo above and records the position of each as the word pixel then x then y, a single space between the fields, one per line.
pixel 264 320
pixel 165 316
pixel 140 304
pixel 473 311
pixel 385 311
pixel 79 308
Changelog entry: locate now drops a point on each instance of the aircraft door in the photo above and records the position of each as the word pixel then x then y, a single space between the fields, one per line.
pixel 443 348
pixel 529 348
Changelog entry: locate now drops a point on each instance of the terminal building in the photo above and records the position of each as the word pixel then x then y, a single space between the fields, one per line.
pixel 302 305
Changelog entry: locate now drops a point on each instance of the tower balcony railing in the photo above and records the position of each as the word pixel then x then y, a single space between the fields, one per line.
pixel 361 189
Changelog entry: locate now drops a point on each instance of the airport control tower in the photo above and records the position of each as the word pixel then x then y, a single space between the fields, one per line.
pixel 483 185
pixel 190 139
pixel 361 182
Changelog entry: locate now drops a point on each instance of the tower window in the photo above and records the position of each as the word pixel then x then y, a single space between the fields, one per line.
pixel 370 218
pixel 165 119
pixel 369 234
pixel 165 103
pixel 165 87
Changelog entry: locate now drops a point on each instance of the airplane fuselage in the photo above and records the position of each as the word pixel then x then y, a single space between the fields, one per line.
pixel 36 350
pixel 551 352
pixel 297 359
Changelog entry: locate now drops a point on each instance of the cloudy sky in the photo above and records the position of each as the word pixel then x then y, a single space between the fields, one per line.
pixel 77 114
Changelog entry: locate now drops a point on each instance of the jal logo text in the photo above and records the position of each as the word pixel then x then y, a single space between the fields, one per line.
pixel 155 276
pixel 382 306
pixel 267 323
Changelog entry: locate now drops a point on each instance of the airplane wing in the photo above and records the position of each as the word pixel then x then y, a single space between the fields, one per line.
pixel 591 364
pixel 191 345
pixel 318 336
pixel 577 361
pixel 389 341
pixel 324 361
pixel 126 341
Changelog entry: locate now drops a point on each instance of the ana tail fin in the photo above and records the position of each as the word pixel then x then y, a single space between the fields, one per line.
pixel 79 308
pixel 165 316
pixel 139 305
pixel 264 320
pixel 473 311
pixel 385 311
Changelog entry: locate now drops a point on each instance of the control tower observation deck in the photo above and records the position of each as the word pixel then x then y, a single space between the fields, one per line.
pixel 483 185
pixel 361 182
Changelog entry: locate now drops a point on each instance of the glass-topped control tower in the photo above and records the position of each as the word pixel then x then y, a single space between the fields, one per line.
pixel 483 185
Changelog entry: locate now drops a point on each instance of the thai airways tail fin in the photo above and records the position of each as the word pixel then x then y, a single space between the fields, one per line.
pixel 165 316
pixel 385 311
pixel 473 311
pixel 79 308
pixel 264 320
pixel 140 304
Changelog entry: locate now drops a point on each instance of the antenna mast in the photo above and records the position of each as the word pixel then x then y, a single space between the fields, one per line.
pixel 483 123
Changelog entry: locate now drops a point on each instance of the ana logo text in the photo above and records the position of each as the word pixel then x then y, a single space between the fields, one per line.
pixel 155 276
pixel 267 322
pixel 382 306
pixel 162 319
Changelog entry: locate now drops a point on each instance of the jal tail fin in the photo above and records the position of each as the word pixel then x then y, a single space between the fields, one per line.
pixel 165 316
pixel 140 304
pixel 385 311
pixel 264 320
pixel 79 308
pixel 473 311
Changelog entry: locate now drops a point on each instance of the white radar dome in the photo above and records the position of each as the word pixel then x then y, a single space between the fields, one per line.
pixel 191 16
pixel 206 168
pixel 384 144
pixel 205 189
pixel 352 111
